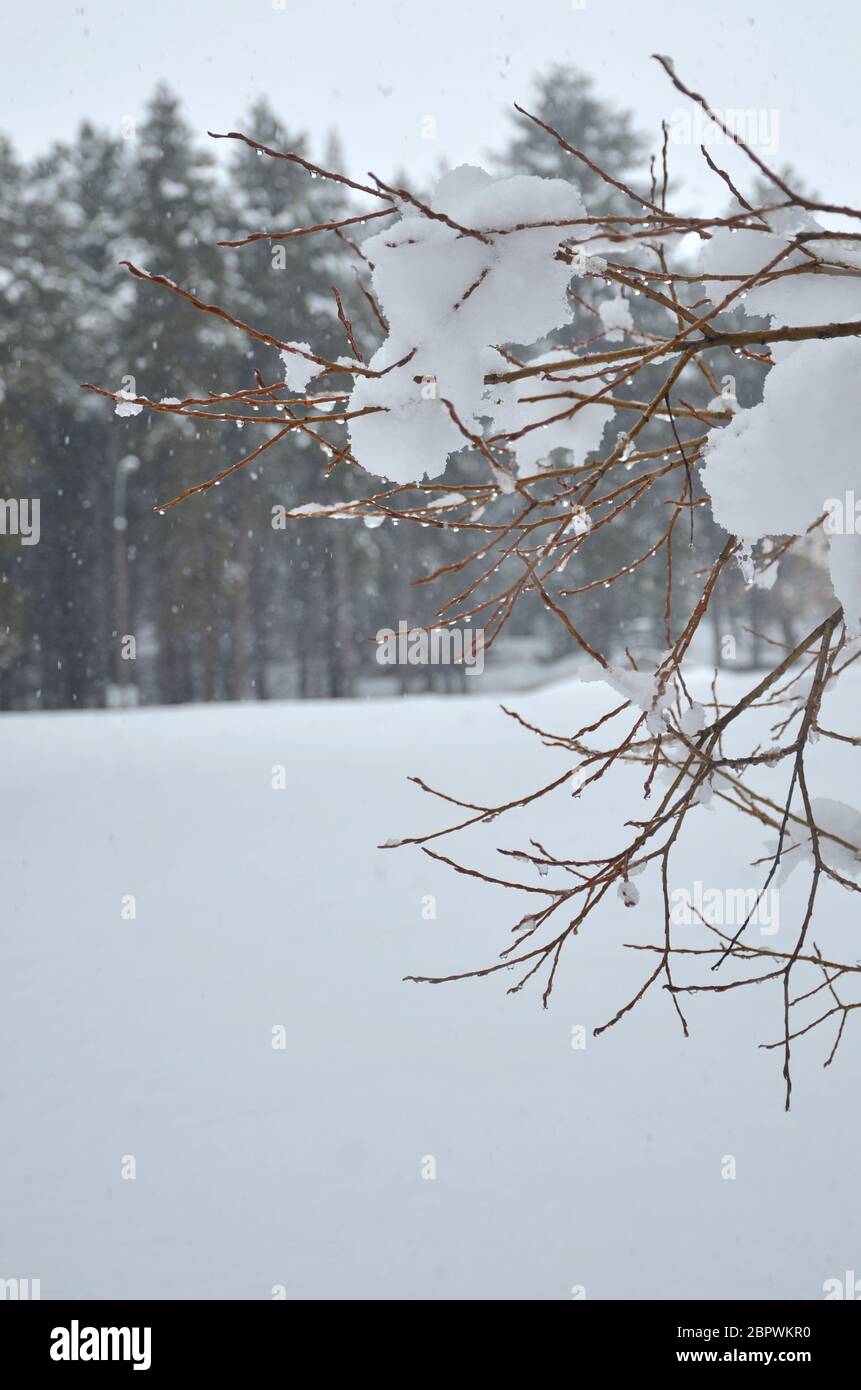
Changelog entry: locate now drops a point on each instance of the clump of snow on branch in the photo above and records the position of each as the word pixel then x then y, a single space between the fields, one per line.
pixel 648 689
pixel 769 472
pixel 298 369
pixel 839 828
pixel 125 404
pixel 800 299
pixel 450 299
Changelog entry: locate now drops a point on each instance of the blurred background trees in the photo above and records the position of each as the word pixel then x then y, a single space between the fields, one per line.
pixel 223 605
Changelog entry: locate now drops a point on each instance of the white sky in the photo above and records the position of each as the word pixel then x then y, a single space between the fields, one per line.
pixel 375 69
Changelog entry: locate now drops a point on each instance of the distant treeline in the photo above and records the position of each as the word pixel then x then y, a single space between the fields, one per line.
pixel 222 605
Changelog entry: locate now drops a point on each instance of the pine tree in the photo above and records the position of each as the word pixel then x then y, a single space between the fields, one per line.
pixel 173 210
pixel 564 98
pixel 58 331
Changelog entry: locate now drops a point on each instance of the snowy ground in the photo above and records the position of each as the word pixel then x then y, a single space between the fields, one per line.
pixel 303 1167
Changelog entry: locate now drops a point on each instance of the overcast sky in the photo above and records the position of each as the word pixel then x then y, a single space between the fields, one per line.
pixel 376 70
